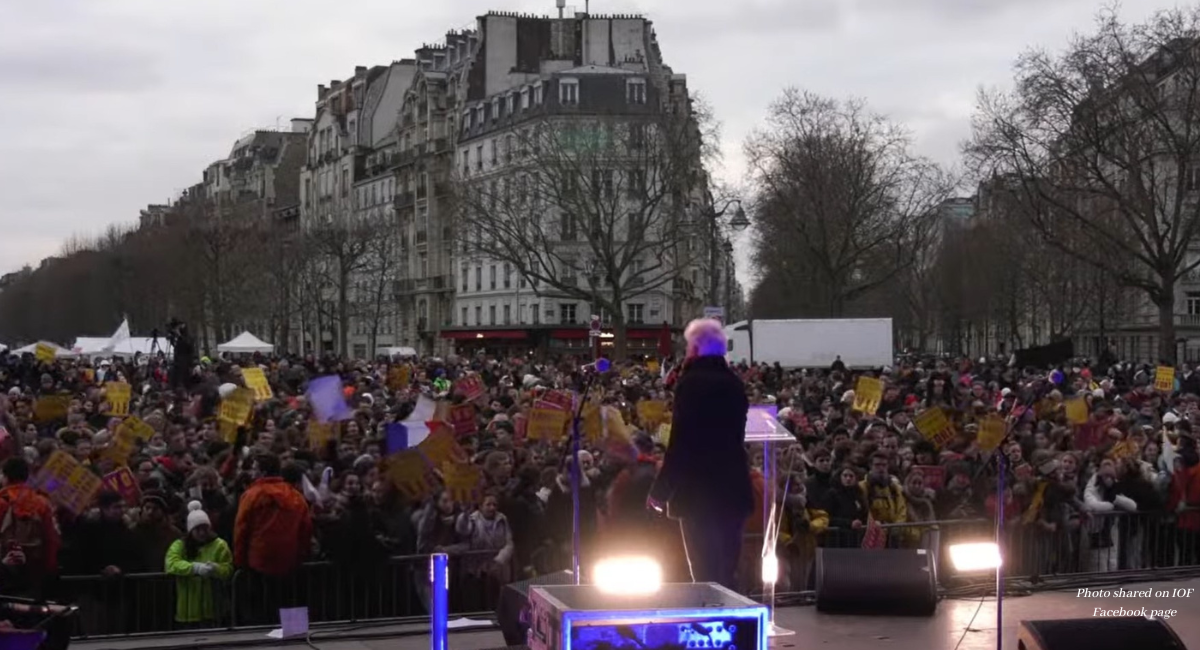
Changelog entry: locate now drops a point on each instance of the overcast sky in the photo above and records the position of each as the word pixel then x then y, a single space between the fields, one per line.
pixel 108 105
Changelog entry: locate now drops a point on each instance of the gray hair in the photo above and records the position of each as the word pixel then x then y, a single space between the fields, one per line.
pixel 705 338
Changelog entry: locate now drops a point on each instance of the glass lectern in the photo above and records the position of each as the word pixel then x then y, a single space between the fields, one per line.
pixel 763 428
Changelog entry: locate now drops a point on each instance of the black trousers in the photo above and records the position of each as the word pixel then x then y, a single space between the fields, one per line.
pixel 714 545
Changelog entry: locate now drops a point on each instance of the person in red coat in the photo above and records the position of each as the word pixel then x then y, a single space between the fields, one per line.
pixel 272 536
pixel 28 532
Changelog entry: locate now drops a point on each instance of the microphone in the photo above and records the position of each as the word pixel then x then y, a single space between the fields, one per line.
pixel 601 365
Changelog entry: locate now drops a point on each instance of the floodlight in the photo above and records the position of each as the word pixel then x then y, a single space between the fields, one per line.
pixel 628 575
pixel 975 556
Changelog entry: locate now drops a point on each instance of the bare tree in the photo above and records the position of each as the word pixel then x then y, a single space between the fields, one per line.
pixel 376 302
pixel 339 248
pixel 1104 142
pixel 841 198
pixel 592 209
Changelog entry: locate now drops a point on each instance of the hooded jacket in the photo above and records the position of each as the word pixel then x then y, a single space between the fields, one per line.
pixel 273 530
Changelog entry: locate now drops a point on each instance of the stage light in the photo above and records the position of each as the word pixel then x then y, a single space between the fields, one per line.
pixel 975 556
pixel 770 569
pixel 628 576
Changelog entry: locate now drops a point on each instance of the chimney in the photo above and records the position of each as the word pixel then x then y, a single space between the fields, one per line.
pixel 333 85
pixel 321 91
pixel 360 70
pixel 301 125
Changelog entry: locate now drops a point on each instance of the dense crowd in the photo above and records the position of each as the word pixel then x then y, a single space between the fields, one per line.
pixel 283 488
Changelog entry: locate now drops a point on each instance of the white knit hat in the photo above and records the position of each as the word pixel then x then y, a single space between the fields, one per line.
pixel 196 516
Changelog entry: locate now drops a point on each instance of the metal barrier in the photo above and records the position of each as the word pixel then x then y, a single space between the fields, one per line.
pixel 337 593
pixel 334 593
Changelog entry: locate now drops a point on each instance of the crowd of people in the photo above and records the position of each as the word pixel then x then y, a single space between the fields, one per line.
pixel 283 488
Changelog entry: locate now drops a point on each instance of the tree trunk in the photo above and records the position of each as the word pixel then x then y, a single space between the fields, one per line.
pixel 343 309
pixel 1165 301
pixel 620 337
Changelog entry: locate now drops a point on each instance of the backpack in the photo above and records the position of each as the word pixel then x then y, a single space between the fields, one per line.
pixel 23 529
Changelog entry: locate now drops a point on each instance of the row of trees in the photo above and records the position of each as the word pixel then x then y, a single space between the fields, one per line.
pixel 220 270
pixel 1088 172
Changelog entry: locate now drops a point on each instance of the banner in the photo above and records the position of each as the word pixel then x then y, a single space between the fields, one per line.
pixel 992 431
pixel 471 388
pixel 464 420
pixel 1164 379
pixel 868 393
pixel 235 412
pixel 1077 410
pixel 49 408
pixel 560 398
pixel 875 537
pixel 652 413
pixel 122 482
pixel 117 395
pixel 546 424
pixel 68 483
pixel 256 380
pixel 464 482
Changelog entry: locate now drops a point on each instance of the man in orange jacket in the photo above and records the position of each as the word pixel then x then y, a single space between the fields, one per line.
pixel 28 532
pixel 272 535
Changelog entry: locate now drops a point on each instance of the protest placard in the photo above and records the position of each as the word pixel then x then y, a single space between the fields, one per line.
pixel 1076 410
pixel 1164 379
pixel 464 482
pixel 464 419
pixel 470 388
pixel 992 431
pixel 546 424
pixel 122 482
pixel 49 408
pixel 117 395
pixel 652 413
pixel 411 473
pixel 256 381
pixel 868 393
pixel 932 424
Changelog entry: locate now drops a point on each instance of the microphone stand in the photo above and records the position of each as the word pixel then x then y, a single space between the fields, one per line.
pixel 577 475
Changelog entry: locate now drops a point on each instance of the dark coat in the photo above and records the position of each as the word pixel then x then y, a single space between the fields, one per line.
pixel 706 471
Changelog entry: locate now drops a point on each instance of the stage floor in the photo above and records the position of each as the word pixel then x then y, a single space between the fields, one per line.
pixel 813 629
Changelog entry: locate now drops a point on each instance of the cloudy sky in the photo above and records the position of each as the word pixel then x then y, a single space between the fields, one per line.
pixel 108 105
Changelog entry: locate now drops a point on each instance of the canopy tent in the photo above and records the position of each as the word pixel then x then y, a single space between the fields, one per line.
pixel 59 351
pixel 92 346
pixel 246 343
pixel 396 352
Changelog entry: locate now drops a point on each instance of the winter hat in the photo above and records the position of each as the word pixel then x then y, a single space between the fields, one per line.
pixel 196 516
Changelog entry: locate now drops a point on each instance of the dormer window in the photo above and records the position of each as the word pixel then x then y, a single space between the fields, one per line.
pixel 568 91
pixel 525 98
pixel 537 94
pixel 635 91
pixel 495 109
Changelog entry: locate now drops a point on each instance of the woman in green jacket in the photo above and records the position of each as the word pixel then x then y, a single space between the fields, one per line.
pixel 202 563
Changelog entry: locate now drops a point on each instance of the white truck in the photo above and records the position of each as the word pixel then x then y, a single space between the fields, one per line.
pixel 860 342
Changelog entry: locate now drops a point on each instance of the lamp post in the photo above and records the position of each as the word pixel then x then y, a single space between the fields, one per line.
pixel 738 222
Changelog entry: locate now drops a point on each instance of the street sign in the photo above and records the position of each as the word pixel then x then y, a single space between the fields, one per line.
pixel 594 326
pixel 715 312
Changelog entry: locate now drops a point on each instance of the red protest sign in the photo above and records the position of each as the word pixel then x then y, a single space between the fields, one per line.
pixel 470 388
pixel 463 419
pixel 875 537
pixel 561 398
pixel 122 482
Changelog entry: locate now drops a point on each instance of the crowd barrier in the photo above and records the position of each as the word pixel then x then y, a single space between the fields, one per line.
pixel 337 593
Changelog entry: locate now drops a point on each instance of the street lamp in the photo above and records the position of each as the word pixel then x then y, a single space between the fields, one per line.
pixel 738 222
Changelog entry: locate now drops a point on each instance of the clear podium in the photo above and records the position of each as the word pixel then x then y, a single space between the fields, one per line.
pixel 763 429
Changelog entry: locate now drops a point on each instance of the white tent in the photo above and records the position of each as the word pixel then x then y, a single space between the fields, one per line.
pixel 246 343
pixel 93 347
pixel 59 351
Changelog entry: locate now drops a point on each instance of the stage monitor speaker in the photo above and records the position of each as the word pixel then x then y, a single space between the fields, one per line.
pixel 1099 633
pixel 881 581
pixel 512 612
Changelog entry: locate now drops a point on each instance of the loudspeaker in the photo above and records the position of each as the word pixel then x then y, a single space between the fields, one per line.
pixel 880 581
pixel 1099 633
pixel 512 612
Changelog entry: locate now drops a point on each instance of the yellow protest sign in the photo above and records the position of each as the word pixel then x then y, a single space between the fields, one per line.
pixel 1164 379
pixel 441 447
pixel 235 409
pixel 256 380
pixel 591 423
pixel 664 434
pixel 117 394
pixel 463 481
pixel 1077 410
pixel 992 431
pixel 398 377
pixel 653 366
pixel 44 353
pixel 320 433
pixel 546 424
pixel 651 413
pixel 137 429
pixel 409 471
pixel 80 490
pixel 51 407
pixel 120 448
pixel 932 424
pixel 868 393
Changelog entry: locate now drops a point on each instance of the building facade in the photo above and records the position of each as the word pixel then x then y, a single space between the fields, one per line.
pixel 603 77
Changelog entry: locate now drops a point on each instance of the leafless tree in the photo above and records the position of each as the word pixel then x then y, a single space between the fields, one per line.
pixel 842 202
pixel 1103 141
pixel 339 248
pixel 376 299
pixel 594 210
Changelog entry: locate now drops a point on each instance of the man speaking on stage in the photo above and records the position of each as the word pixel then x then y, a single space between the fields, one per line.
pixel 704 481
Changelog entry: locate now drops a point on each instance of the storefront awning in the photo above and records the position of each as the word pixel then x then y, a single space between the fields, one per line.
pixel 484 335
pixel 582 333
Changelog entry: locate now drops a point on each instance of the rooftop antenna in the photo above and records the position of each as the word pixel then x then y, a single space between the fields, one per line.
pixel 562 4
